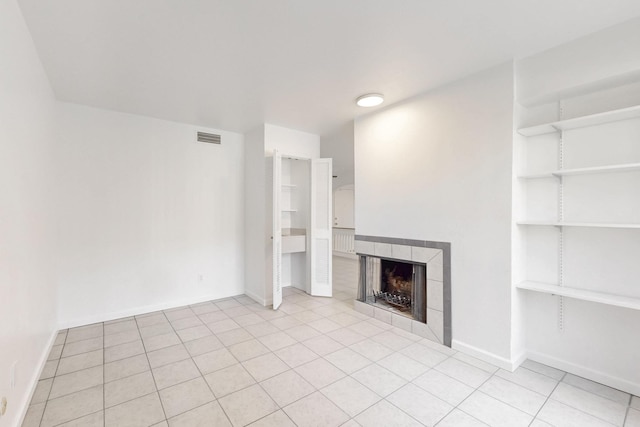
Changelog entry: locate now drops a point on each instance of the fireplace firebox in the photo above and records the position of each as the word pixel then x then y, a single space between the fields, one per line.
pixel 398 286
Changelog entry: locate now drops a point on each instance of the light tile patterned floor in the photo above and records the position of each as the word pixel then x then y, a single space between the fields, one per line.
pixel 315 362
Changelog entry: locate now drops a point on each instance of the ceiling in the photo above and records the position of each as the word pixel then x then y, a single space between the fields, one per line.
pixel 233 64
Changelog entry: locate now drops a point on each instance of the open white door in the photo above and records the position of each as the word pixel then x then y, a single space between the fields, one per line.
pixel 319 246
pixel 277 230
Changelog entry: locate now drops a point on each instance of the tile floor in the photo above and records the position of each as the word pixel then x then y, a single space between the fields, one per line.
pixel 314 362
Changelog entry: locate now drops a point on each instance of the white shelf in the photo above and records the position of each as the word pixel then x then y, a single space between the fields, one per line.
pixel 289 210
pixel 582 294
pixel 628 167
pixel 538 175
pixel 294 243
pixel 584 121
pixel 579 224
pixel 288 186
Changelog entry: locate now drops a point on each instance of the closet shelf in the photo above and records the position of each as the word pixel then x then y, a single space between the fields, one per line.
pixel 580 122
pixel 581 294
pixel 289 186
pixel 289 210
pixel 579 224
pixel 626 167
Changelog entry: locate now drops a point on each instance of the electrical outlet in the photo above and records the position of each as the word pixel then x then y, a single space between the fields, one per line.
pixel 200 277
pixel 3 406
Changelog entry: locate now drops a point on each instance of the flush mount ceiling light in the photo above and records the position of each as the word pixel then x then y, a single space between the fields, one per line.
pixel 370 100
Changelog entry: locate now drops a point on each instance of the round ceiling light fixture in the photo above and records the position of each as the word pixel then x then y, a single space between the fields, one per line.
pixel 370 100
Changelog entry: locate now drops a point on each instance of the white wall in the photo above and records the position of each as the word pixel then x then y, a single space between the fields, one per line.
pixel 338 145
pixel 343 207
pixel 599 59
pixel 148 218
pixel 291 142
pixel 438 167
pixel 27 283
pixel 596 341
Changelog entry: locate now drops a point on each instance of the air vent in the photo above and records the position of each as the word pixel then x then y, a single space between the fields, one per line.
pixel 209 138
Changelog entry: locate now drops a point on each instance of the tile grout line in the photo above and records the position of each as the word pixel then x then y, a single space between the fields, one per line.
pixel 528 388
pixel 259 382
pixel 53 379
pixel 290 369
pixel 215 399
pixel 580 410
pixel 76 391
pixel 546 400
pixel 157 392
pixel 75 419
pixel 374 392
pixel 626 413
pixel 476 389
pixel 280 408
pixel 82 416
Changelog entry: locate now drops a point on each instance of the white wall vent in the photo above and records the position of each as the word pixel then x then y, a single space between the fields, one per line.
pixel 209 138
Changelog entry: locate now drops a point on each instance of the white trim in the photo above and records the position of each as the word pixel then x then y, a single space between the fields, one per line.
pixel 257 298
pixel 519 360
pixel 139 310
pixel 484 355
pixel 345 255
pixel 582 371
pixel 24 405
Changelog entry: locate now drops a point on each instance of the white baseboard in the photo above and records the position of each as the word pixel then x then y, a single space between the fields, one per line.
pixel 517 361
pixel 256 298
pixel 24 405
pixel 484 355
pixel 105 317
pixel 564 365
pixel 582 371
pixel 265 302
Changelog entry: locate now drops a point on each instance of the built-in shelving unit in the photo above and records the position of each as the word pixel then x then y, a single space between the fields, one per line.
pixel 582 294
pixel 583 121
pixel 293 239
pixel 551 199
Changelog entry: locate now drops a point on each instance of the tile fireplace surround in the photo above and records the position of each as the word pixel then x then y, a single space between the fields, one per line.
pixel 437 258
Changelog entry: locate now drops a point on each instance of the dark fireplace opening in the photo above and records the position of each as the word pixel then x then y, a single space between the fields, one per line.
pixel 394 285
pixel 396 281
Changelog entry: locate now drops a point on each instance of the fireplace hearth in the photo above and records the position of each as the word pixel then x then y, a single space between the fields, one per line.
pixel 406 283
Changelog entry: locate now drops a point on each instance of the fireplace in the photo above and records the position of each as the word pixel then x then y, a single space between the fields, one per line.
pixel 398 286
pixel 406 283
